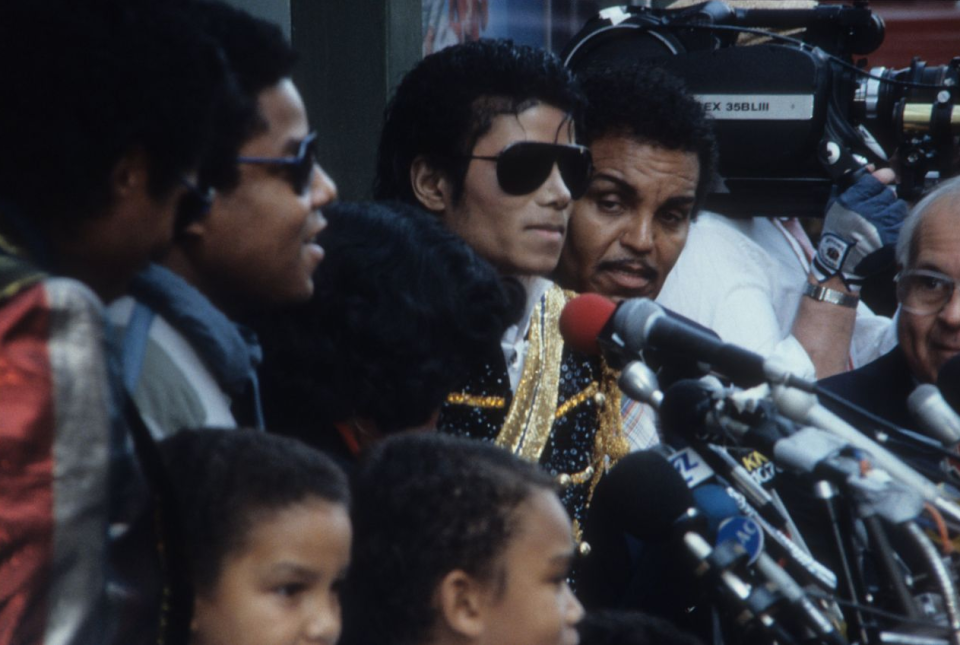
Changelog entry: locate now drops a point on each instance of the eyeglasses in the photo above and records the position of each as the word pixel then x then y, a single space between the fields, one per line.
pixel 299 168
pixel 522 167
pixel 194 204
pixel 923 292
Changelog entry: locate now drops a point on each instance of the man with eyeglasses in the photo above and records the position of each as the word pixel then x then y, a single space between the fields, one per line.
pixel 97 154
pixel 187 361
pixel 928 322
pixel 482 134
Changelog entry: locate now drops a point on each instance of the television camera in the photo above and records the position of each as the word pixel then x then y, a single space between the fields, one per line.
pixel 796 115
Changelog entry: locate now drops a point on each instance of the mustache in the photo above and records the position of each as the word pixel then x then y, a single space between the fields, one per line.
pixel 632 265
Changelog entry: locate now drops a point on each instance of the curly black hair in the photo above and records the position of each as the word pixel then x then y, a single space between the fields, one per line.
pixel 426 505
pixel 612 627
pixel 260 57
pixel 90 81
pixel 651 106
pixel 449 100
pixel 402 308
pixel 225 480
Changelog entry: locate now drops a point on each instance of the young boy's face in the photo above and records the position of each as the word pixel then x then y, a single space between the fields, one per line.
pixel 257 246
pixel 517 234
pixel 282 586
pixel 536 607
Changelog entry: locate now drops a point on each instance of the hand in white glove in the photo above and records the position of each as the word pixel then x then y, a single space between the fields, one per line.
pixel 866 218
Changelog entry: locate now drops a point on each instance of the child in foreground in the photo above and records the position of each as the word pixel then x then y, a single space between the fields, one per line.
pixel 267 536
pixel 457 542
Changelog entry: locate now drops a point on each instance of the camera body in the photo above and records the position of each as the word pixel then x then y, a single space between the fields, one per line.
pixel 794 117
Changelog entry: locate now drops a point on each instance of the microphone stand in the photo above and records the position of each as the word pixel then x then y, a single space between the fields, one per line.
pixel 852 575
pixel 942 576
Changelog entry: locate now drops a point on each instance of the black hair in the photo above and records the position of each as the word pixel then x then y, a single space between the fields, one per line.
pixel 426 505
pixel 449 100
pixel 260 57
pixel 225 480
pixel 402 308
pixel 611 627
pixel 653 107
pixel 90 81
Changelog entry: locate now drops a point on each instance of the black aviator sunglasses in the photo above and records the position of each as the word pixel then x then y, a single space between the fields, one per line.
pixel 522 167
pixel 300 168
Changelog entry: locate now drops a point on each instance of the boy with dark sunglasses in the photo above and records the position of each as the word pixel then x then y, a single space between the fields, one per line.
pixel 186 361
pixel 482 135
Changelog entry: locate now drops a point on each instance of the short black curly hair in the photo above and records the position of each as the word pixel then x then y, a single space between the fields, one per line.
pixel 90 81
pixel 401 309
pixel 426 505
pixel 225 480
pixel 651 106
pixel 613 627
pixel 448 101
pixel 260 57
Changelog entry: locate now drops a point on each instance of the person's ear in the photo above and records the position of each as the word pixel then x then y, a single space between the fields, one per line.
pixel 430 185
pixel 196 228
pixel 460 599
pixel 130 174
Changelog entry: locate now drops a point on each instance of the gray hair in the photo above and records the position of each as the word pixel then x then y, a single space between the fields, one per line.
pixel 906 242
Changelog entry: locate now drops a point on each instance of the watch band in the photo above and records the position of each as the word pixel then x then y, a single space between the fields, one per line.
pixel 821 294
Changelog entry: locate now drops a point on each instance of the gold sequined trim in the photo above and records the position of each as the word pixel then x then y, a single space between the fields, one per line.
pixel 610 445
pixel 530 419
pixel 569 479
pixel 462 398
pixel 577 399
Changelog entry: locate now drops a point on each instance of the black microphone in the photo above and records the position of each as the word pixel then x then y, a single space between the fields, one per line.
pixel 643 324
pixel 634 498
pixel 587 325
pixel 690 410
pixel 663 508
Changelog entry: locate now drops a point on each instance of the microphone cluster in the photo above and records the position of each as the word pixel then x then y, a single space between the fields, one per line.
pixel 865 509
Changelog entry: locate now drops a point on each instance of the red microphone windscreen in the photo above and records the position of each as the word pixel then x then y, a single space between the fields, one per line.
pixel 582 320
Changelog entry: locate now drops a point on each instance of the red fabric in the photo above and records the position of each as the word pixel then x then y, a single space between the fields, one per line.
pixel 26 467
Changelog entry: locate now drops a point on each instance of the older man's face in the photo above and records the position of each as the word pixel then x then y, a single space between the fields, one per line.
pixel 627 232
pixel 928 341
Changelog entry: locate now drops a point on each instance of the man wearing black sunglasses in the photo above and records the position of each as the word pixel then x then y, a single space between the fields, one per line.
pixel 482 134
pixel 186 360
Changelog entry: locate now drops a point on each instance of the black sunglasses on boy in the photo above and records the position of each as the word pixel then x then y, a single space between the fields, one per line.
pixel 522 167
pixel 299 169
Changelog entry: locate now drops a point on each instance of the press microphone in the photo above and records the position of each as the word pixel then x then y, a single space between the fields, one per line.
pixel 804 408
pixel 674 509
pixel 726 522
pixel 634 498
pixel 935 416
pixel 642 323
pixel 583 320
pixel 591 322
pixel 803 450
pixel 639 383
